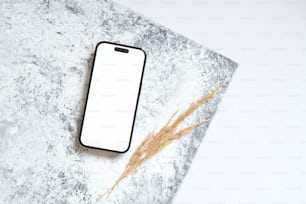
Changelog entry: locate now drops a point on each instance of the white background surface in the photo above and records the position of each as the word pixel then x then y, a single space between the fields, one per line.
pixel 254 151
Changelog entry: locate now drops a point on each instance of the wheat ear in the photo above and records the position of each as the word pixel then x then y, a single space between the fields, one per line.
pixel 154 142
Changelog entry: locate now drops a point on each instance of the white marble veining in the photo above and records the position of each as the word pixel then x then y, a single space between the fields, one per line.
pixel 46 49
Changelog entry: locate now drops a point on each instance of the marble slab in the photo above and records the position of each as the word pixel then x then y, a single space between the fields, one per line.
pixel 46 51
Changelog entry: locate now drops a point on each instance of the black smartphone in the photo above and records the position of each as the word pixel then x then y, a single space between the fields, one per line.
pixel 112 97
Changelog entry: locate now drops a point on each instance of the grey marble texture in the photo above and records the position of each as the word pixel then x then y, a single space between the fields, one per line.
pixel 46 50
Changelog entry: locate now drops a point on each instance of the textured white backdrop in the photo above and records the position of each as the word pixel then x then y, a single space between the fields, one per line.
pixel 46 50
pixel 254 151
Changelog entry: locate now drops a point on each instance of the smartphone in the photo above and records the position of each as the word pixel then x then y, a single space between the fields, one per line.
pixel 112 97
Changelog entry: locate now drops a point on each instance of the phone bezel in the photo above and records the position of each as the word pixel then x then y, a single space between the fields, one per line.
pixel 88 90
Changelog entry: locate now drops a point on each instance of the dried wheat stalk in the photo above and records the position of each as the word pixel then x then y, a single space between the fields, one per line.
pixel 155 141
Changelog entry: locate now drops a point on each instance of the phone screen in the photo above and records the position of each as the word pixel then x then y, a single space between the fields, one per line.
pixel 112 97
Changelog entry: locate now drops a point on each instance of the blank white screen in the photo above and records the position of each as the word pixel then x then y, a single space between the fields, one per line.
pixel 112 97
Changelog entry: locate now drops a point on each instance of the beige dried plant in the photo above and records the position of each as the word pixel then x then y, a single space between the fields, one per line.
pixel 155 141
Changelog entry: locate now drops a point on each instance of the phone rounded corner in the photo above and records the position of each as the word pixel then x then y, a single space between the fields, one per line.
pixel 126 150
pixel 101 42
pixel 144 52
pixel 81 143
